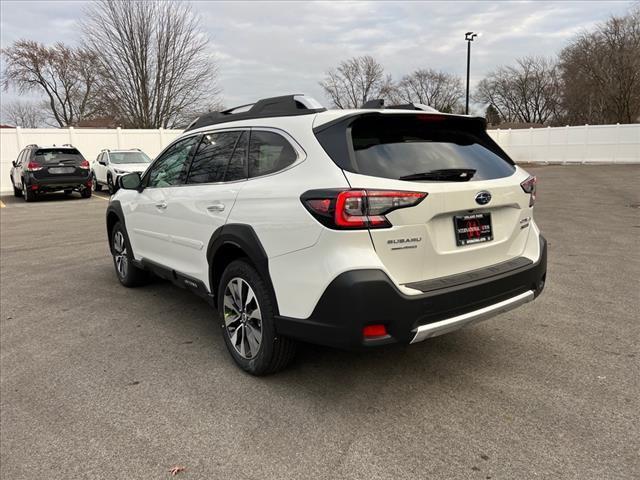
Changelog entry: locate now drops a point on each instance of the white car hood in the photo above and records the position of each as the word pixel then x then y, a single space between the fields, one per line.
pixel 130 167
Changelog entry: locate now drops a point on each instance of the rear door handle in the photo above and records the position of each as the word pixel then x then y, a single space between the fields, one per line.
pixel 216 207
pixel 161 205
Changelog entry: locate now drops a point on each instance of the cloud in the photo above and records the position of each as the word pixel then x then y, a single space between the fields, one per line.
pixel 272 48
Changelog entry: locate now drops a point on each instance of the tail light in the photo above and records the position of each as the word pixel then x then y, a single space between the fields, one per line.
pixel 33 166
pixel 84 164
pixel 357 209
pixel 529 186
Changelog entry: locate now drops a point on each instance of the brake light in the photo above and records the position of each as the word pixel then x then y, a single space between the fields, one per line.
pixel 84 164
pixel 357 209
pixel 529 186
pixel 33 166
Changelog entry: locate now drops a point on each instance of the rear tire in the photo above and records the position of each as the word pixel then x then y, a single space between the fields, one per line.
pixel 95 185
pixel 246 311
pixel 85 193
pixel 128 274
pixel 28 194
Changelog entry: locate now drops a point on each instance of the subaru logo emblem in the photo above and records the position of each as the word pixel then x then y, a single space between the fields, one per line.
pixel 482 198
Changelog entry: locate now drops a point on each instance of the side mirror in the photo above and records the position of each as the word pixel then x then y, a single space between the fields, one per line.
pixel 130 181
pixel 14 163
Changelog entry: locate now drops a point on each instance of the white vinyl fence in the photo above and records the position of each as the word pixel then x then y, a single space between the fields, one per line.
pixel 582 144
pixel 90 141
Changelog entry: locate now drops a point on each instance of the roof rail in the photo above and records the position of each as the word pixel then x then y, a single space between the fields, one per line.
pixel 285 106
pixel 378 104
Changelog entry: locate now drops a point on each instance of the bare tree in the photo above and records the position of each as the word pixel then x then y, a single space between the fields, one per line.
pixel 440 90
pixel 66 76
pixel 601 72
pixel 356 81
pixel 155 68
pixel 23 113
pixel 528 92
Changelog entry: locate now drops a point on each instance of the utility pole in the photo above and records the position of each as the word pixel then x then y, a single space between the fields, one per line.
pixel 469 36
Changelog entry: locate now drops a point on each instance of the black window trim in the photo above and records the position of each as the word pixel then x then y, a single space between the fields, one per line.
pixel 301 154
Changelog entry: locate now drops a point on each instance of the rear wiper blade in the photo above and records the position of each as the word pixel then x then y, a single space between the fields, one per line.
pixel 447 174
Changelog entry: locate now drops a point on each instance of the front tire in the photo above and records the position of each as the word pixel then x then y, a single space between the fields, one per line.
pixel 128 274
pixel 17 192
pixel 246 310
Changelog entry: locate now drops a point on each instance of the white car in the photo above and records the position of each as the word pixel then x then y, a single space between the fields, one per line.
pixel 349 228
pixel 111 164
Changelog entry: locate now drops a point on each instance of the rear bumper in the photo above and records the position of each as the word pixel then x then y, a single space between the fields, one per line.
pixel 58 183
pixel 364 297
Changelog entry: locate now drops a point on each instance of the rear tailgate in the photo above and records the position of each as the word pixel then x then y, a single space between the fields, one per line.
pixel 475 215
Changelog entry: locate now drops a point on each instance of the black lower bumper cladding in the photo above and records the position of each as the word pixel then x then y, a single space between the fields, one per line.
pixel 359 298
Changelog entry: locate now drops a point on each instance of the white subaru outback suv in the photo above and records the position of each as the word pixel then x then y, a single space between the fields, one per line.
pixel 348 228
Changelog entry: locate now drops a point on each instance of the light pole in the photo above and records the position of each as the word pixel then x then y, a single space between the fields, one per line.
pixel 469 36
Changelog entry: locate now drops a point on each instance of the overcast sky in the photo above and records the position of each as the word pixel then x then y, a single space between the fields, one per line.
pixel 275 48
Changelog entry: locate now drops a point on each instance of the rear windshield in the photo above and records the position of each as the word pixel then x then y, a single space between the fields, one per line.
pixel 129 157
pixel 402 145
pixel 56 155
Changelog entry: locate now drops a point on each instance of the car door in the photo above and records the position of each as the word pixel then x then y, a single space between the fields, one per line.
pixel 148 227
pixel 101 167
pixel 196 210
pixel 15 170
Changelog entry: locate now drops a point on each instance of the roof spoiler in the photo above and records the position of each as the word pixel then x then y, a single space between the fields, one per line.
pixel 378 104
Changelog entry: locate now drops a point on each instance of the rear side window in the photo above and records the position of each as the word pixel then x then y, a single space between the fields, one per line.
pixel 237 169
pixel 269 152
pixel 401 146
pixel 56 155
pixel 212 158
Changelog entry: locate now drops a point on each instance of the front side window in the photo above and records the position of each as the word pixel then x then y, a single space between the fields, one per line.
pixel 212 158
pixel 269 153
pixel 170 168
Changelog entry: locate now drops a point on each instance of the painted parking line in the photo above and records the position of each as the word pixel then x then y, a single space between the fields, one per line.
pixel 100 197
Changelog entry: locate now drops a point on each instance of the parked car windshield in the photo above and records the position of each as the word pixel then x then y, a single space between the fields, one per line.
pixel 402 147
pixel 129 157
pixel 57 155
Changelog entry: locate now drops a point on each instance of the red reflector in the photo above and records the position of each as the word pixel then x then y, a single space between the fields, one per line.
pixel 34 187
pixel 372 331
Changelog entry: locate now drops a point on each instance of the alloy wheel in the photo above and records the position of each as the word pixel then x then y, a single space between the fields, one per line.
pixel 242 318
pixel 120 254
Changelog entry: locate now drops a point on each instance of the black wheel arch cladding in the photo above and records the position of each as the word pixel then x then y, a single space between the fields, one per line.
pixel 243 240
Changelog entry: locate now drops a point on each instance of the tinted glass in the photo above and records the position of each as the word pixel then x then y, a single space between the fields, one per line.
pixel 212 157
pixel 237 169
pixel 394 147
pixel 170 168
pixel 269 153
pixel 57 155
pixel 129 157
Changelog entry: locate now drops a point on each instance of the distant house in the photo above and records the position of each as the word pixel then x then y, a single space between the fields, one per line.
pixel 98 122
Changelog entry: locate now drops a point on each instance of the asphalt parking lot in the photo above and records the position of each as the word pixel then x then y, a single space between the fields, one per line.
pixel 99 381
